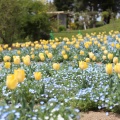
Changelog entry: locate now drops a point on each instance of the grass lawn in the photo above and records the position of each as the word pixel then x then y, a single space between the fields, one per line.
pixel 114 25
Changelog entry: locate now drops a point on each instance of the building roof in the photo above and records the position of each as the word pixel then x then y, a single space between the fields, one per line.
pixel 58 12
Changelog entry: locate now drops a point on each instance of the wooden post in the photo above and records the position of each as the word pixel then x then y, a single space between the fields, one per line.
pixel 58 20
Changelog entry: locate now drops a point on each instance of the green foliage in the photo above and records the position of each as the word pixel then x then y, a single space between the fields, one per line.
pixel 63 5
pixel 36 23
pixel 31 21
pixel 10 16
pixel 105 14
pixel 62 28
pixel 99 23
pixel 114 25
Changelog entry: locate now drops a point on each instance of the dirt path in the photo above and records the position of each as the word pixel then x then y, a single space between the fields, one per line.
pixel 99 116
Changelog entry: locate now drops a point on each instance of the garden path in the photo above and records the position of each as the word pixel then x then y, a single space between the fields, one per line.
pixel 99 116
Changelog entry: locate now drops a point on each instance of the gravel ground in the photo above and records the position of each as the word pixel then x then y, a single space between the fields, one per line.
pixel 99 116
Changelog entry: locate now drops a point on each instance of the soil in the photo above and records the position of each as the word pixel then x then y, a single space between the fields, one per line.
pixel 99 116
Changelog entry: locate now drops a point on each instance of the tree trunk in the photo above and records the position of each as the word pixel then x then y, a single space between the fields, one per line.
pixel 84 25
pixel 2 37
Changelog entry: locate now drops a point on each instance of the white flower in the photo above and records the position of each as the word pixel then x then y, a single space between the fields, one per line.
pixel 60 117
pixel 46 118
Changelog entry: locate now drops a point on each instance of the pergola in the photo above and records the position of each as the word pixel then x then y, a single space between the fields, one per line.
pixel 61 17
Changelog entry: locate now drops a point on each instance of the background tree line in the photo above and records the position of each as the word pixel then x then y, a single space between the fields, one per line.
pixel 23 18
pixel 90 8
pixel 78 5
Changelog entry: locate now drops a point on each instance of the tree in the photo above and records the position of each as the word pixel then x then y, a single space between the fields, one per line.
pixel 98 5
pixel 9 20
pixel 64 5
pixel 36 23
pixel 22 18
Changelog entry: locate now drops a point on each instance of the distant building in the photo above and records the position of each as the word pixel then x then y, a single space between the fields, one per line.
pixel 118 15
pixel 61 17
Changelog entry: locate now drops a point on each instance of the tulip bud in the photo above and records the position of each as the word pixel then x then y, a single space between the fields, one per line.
pixel 110 56
pixel 7 65
pixel 37 75
pixel 11 81
pixel 16 60
pixel 56 66
pixel 65 56
pixel 26 60
pixel 117 68
pixel 115 60
pixel 19 75
pixel 109 68
pixel 83 65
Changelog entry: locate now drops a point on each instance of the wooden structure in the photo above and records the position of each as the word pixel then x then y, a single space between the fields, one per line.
pixel 61 17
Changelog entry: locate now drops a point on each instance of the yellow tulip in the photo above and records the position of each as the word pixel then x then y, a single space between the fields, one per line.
pixel 94 58
pixel 42 57
pixel 56 66
pixel 76 45
pixel 6 58
pixel 75 57
pixel 9 48
pixel 86 45
pixel 53 46
pixel 32 49
pixel 110 56
pixel 11 81
pixel 81 52
pixel 91 55
pixel 16 60
pixel 7 65
pixel 117 46
pixel 83 65
pixel 19 75
pixel 65 56
pixel 115 60
pixel 65 46
pixel 5 46
pixel 22 45
pixel 104 57
pixel 46 52
pixel 45 47
pixel 87 60
pixel 99 45
pixel 105 52
pixel 32 44
pixel 18 52
pixel 40 54
pixel 112 44
pixel 37 75
pixel 117 68
pixel 17 45
pixel 63 52
pixel 50 55
pixel 1 49
pixel 67 49
pixel 32 56
pixel 103 48
pixel 26 60
pixel 109 68
pixel 37 46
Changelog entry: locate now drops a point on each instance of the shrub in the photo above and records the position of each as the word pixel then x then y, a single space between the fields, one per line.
pixel 73 26
pixel 62 28
pixel 99 23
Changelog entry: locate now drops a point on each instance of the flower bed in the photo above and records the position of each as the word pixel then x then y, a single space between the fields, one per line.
pixel 55 80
